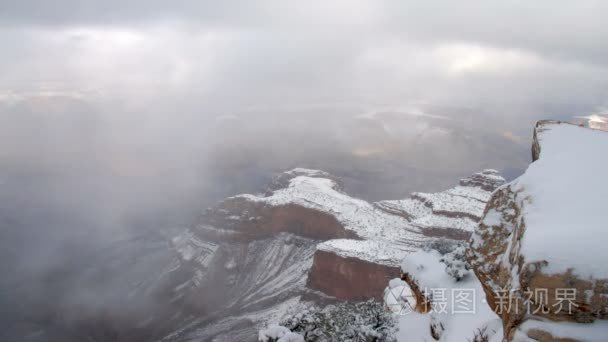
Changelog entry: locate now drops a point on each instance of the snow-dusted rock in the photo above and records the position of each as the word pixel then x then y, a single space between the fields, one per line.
pixel 488 180
pixel 358 239
pixel 546 231
pixel 246 284
pixel 374 251
pixel 349 278
pixel 282 180
pixel 453 213
pixel 191 248
pixel 358 217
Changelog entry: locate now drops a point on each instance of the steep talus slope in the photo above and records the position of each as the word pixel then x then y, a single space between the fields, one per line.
pixel 245 283
pixel 542 240
pixel 186 284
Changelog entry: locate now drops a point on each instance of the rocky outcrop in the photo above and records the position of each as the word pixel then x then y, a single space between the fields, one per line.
pixel 362 241
pixel 349 278
pixel 310 205
pixel 453 213
pixel 282 180
pixel 257 220
pixel 595 121
pixel 423 302
pixel 487 180
pixel 539 248
pixel 538 129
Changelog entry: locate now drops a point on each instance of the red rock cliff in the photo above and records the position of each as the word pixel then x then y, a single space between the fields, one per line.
pixel 256 220
pixel 349 278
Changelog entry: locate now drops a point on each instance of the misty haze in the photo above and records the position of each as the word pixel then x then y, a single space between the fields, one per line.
pixel 302 171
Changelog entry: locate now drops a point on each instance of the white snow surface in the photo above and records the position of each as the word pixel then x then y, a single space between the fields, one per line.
pixel 430 273
pixel 398 297
pixel 437 221
pixel 471 192
pixel 566 217
pixel 424 266
pixel 280 334
pixel 592 332
pixel 375 251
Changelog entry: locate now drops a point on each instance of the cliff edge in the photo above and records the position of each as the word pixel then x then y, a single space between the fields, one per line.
pixel 540 247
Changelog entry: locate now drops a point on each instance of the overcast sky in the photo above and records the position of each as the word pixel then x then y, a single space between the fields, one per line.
pixel 160 86
pixel 186 79
pixel 511 58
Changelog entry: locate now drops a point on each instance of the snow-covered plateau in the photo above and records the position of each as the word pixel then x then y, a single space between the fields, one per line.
pixel 545 232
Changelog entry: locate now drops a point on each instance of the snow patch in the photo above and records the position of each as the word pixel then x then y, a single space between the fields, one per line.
pixel 565 219
pixel 427 269
pixel 279 334
pixel 374 251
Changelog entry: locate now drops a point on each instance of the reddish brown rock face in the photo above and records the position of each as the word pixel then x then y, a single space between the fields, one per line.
pixel 257 220
pixel 349 278
pixel 450 233
pixel 422 302
pixel 305 222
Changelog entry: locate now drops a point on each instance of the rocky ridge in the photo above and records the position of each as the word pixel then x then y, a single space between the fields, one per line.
pixel 453 213
pixel 353 234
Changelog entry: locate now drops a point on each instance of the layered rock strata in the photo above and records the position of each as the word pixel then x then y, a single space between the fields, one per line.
pixel 361 243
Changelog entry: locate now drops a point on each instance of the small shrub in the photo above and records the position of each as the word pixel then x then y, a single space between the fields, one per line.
pixel 456 263
pixel 355 322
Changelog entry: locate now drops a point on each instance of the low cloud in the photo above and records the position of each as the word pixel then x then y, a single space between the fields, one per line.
pixel 118 118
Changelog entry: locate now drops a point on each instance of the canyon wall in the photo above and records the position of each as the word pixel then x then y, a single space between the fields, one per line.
pixel 347 278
